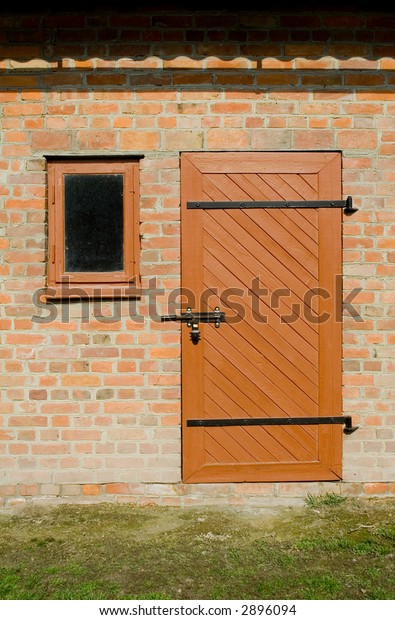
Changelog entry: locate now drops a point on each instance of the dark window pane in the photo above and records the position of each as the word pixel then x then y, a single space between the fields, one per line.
pixel 93 222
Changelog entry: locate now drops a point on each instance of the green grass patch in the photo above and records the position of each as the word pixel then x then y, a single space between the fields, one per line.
pixel 328 499
pixel 338 550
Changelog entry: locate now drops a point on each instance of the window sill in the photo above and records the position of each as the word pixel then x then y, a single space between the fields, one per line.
pixel 80 290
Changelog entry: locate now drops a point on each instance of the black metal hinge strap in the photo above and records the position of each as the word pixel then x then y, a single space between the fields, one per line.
pixel 275 204
pixel 344 419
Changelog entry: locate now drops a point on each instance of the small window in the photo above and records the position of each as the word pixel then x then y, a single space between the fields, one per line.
pixel 93 240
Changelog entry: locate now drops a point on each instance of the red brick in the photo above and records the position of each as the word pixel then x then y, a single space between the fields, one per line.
pixel 376 488
pixel 92 489
pixel 38 394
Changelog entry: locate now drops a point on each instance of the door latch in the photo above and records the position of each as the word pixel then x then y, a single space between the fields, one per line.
pixel 192 319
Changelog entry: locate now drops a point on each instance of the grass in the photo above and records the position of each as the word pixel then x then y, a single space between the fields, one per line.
pixel 330 548
pixel 328 499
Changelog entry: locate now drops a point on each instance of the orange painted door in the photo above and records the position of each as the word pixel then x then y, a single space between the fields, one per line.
pixel 275 272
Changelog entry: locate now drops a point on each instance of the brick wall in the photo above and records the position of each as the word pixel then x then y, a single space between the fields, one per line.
pixel 90 410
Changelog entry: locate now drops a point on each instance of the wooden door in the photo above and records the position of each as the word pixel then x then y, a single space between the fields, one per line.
pixel 275 273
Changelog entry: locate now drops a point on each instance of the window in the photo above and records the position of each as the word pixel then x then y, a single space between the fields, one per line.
pixel 93 237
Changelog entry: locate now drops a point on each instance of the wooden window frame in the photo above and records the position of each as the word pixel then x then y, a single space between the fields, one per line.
pixel 64 284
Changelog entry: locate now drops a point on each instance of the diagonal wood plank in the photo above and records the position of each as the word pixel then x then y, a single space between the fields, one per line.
pixel 220 188
pixel 242 445
pixel 249 374
pixel 287 443
pixel 239 272
pixel 252 185
pixel 272 348
pixel 225 226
